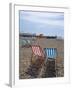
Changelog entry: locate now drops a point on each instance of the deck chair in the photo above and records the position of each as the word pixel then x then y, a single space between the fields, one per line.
pixel 37 52
pixel 37 61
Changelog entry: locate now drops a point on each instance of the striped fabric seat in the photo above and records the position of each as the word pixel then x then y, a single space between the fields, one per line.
pixel 51 52
pixel 37 50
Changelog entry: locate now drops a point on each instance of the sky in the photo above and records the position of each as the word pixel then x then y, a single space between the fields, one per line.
pixel 47 23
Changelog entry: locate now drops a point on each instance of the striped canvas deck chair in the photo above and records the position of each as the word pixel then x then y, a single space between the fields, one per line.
pixel 37 52
pixel 51 53
pixel 37 61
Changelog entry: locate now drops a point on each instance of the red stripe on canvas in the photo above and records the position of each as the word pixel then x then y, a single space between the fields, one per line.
pixel 37 50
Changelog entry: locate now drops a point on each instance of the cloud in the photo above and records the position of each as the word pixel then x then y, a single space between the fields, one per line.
pixel 50 15
pixel 40 22
pixel 56 19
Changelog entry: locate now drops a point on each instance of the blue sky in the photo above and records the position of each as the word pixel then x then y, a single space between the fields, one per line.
pixel 47 23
